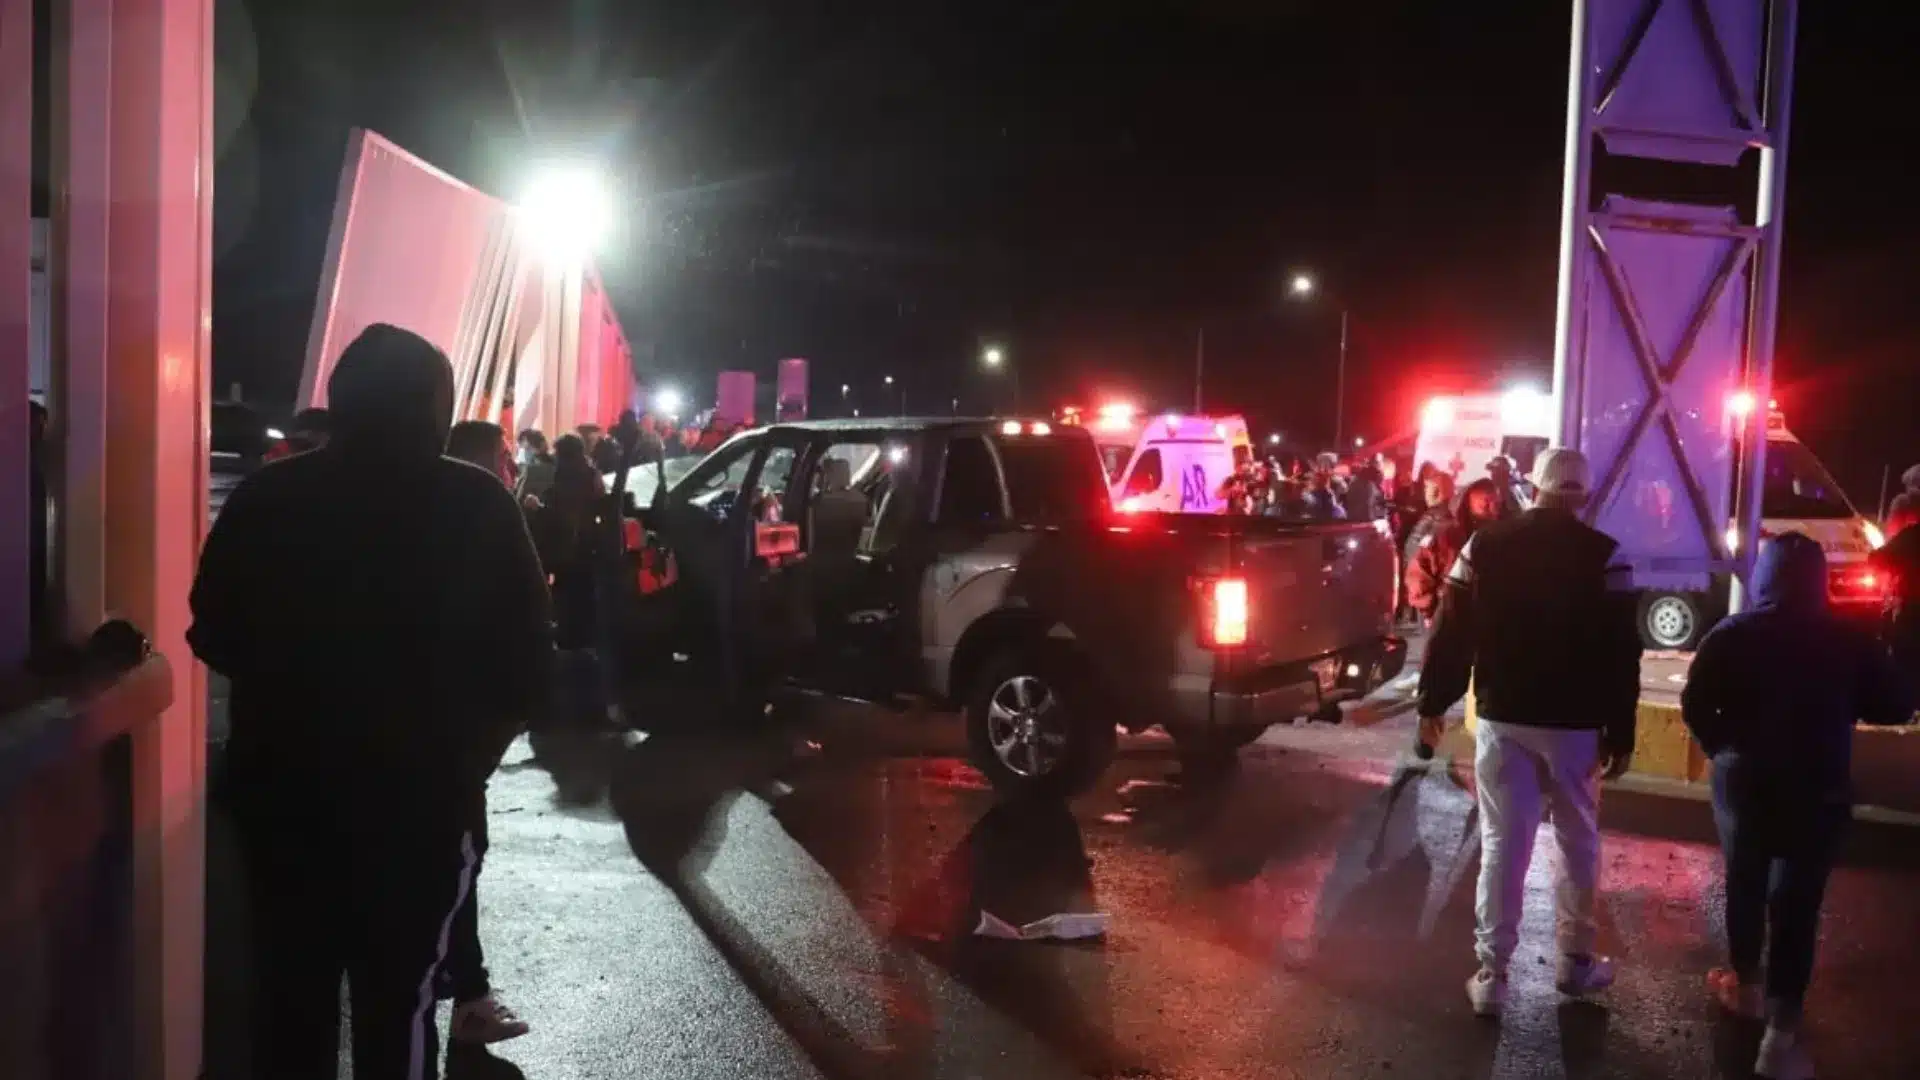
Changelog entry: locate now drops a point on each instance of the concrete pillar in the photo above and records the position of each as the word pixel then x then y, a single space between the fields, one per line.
pixel 16 255
pixel 138 212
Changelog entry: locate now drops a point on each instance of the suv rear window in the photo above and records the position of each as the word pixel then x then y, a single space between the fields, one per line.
pixel 1053 479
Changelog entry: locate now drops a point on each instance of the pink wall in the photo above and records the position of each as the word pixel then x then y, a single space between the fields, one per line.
pixel 406 249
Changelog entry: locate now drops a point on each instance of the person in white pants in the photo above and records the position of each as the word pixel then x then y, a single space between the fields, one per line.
pixel 1538 618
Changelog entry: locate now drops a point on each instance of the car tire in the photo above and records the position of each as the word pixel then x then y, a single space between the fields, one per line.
pixel 1035 728
pixel 1672 620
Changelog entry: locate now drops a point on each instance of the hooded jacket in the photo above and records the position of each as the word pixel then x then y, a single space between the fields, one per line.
pixel 1774 692
pixel 378 607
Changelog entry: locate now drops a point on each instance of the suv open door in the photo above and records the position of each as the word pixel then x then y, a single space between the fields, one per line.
pixel 725 530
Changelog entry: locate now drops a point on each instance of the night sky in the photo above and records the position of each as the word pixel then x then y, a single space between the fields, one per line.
pixel 885 187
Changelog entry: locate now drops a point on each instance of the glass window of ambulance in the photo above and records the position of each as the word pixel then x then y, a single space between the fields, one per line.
pixel 1149 472
pixel 1798 487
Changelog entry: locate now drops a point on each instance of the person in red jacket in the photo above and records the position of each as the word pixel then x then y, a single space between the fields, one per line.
pixel 1427 572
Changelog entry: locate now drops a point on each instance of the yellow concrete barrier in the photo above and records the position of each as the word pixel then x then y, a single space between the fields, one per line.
pixel 1662 747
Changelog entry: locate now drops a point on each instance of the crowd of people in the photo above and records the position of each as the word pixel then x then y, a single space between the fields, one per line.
pixel 395 602
pixel 1430 518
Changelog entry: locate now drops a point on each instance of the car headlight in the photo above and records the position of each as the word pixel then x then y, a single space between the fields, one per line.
pixel 1875 538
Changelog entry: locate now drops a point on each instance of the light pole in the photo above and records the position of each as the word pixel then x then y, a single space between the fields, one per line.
pixel 845 406
pixel 888 380
pixel 1304 287
pixel 994 358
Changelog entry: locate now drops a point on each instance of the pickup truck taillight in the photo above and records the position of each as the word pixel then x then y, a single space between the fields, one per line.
pixel 1224 611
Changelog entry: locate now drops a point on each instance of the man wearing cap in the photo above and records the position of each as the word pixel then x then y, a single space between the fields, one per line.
pixel 1537 615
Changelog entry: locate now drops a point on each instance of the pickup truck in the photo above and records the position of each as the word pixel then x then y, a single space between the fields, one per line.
pixel 981 564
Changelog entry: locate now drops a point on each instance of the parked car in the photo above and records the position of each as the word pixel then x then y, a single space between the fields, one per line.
pixel 982 565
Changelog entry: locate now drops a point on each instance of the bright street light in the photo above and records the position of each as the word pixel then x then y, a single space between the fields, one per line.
pixel 1273 439
pixel 567 211
pixel 993 357
pixel 1359 443
pixel 888 380
pixel 1302 285
pixel 667 403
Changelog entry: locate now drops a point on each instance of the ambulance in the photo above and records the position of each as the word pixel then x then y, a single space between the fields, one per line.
pixel 1167 463
pixel 1461 434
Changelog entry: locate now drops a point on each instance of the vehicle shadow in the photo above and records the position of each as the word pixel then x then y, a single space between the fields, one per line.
pixel 1019 863
pixel 673 792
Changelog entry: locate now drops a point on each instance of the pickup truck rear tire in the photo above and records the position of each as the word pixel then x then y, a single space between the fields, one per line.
pixel 1035 727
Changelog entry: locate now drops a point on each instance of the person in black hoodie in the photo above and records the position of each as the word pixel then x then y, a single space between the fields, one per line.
pixel 1772 698
pixel 384 621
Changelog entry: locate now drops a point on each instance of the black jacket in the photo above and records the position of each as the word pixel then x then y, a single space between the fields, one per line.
pixel 379 610
pixel 1774 692
pixel 1540 619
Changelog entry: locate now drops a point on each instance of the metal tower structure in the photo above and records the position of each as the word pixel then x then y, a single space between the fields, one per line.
pixel 1666 310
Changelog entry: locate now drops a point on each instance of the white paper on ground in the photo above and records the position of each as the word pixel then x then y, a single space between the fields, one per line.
pixel 1062 927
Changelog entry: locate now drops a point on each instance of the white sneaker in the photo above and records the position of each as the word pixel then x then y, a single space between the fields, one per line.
pixel 1783 1056
pixel 1487 990
pixel 1583 975
pixel 485 1021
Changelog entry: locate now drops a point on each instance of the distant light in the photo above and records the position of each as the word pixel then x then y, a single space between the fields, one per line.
pixel 1525 409
pixel 567 211
pixel 845 389
pixel 1041 428
pixel 1353 671
pixel 668 403
pixel 896 455
pixel 275 433
pixel 994 356
pixel 888 380
pixel 1773 403
pixel 1358 443
pixel 1302 285
pixel 1741 403
pixel 1273 439
pixel 1011 427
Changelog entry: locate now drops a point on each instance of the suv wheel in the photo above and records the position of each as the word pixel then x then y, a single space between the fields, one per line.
pixel 1672 620
pixel 1032 728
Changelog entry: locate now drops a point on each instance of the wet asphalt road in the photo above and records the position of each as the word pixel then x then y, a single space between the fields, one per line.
pixel 798 905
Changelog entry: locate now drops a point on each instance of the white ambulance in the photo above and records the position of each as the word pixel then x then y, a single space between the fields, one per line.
pixel 1461 434
pixel 1169 463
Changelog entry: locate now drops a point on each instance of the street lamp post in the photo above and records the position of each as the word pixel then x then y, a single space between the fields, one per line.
pixel 1303 287
pixel 845 405
pixel 994 358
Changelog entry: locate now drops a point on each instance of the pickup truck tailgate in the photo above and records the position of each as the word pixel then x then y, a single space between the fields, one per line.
pixel 1314 590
